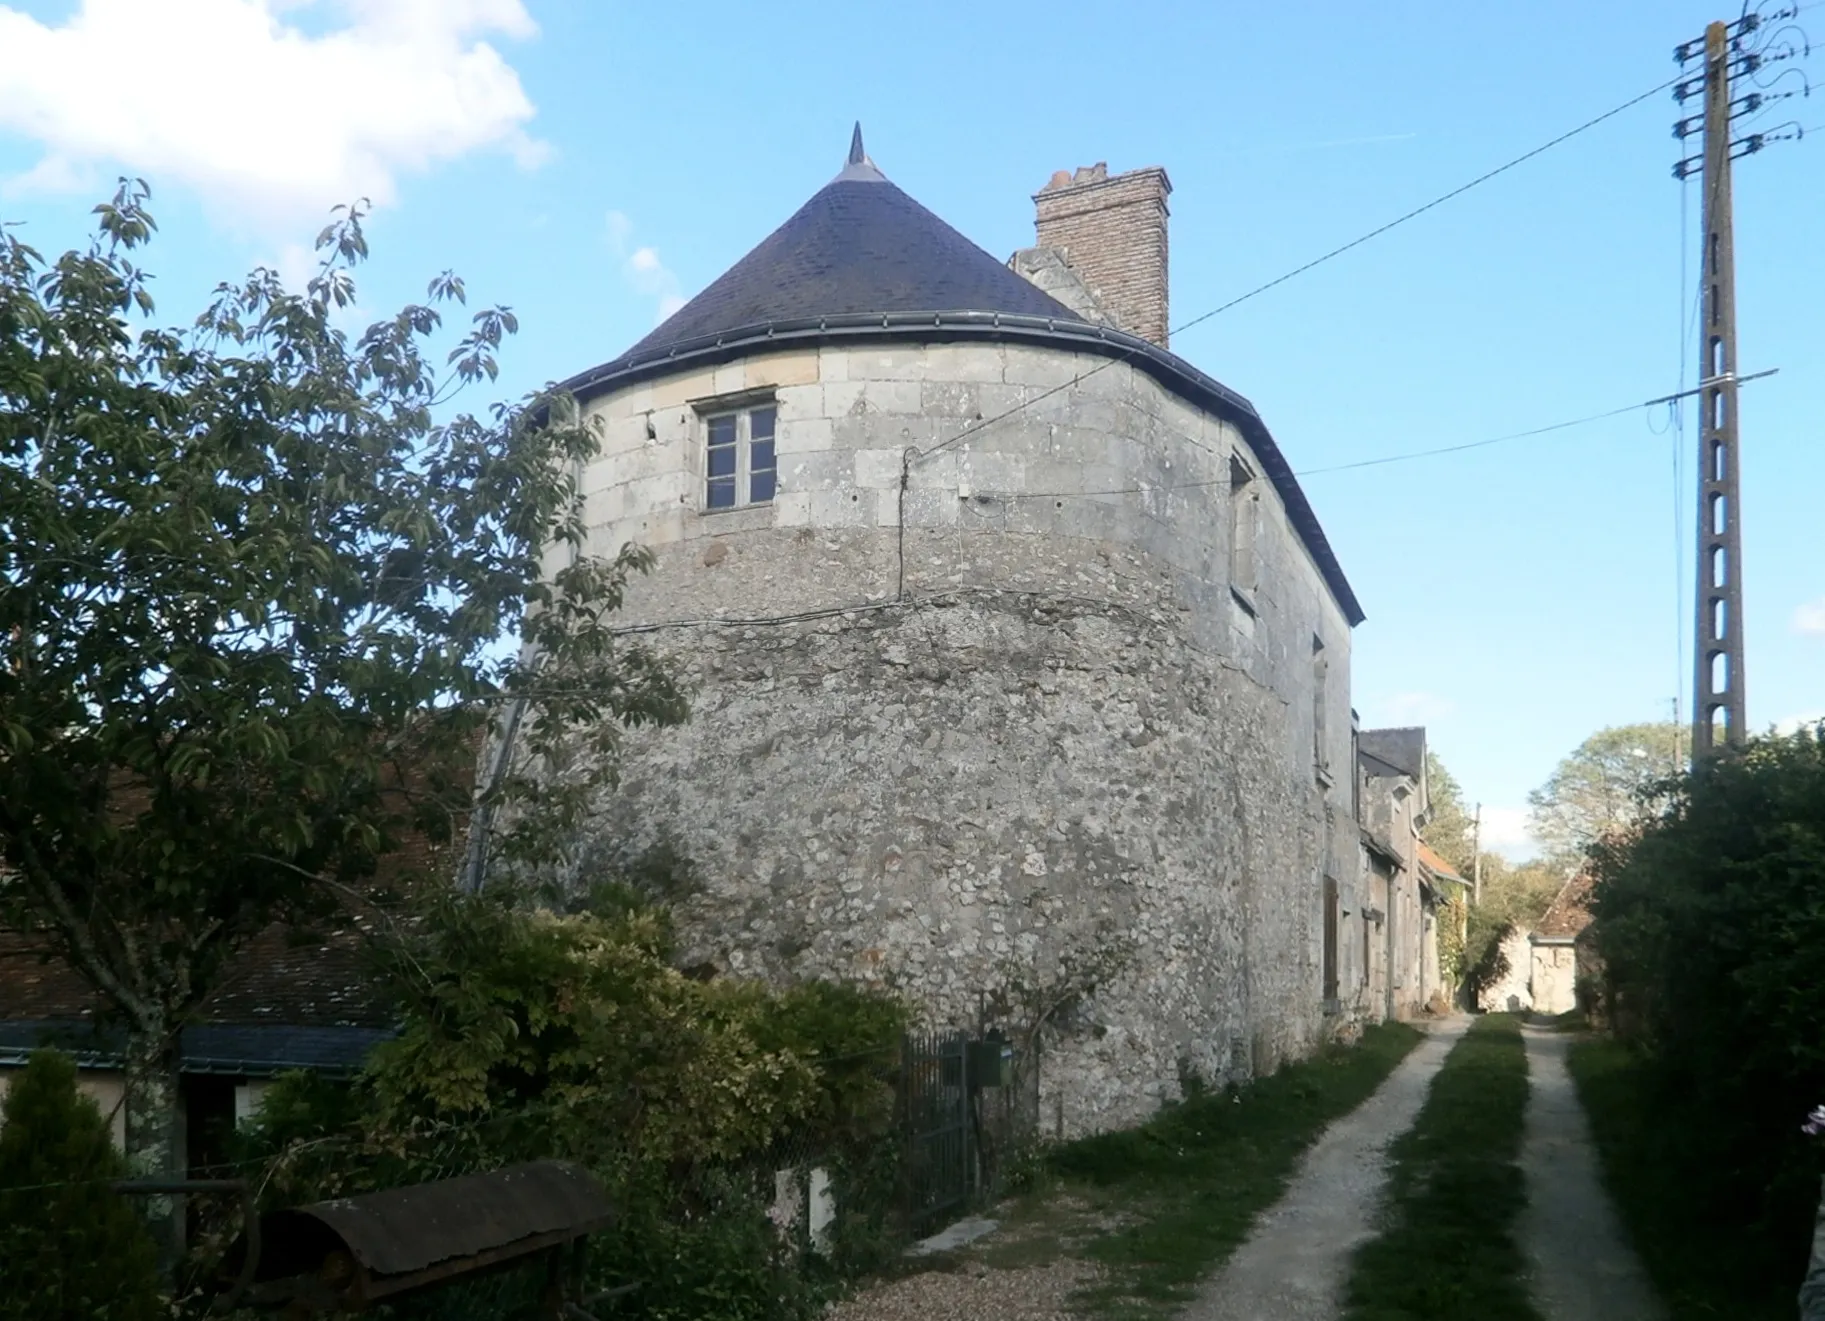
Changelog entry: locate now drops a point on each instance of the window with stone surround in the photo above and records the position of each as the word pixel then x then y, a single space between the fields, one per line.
pixel 739 464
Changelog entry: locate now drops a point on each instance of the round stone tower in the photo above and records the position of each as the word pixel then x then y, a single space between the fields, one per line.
pixel 1021 663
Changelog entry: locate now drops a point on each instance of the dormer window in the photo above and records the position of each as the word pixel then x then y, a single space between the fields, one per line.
pixel 739 464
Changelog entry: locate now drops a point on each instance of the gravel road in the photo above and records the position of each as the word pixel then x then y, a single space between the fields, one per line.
pixel 1293 1263
pixel 1583 1267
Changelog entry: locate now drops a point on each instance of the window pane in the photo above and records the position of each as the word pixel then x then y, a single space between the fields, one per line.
pixel 722 461
pixel 760 487
pixel 722 493
pixel 760 423
pixel 722 429
pixel 761 456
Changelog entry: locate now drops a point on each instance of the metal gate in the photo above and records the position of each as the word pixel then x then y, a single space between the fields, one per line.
pixel 935 1097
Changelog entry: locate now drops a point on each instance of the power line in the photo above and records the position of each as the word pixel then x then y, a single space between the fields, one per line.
pixel 1167 487
pixel 1297 271
pixel 1477 444
pixel 1520 435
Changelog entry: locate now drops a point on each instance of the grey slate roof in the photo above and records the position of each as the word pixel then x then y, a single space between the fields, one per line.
pixel 862 259
pixel 860 245
pixel 1401 751
pixel 259 1051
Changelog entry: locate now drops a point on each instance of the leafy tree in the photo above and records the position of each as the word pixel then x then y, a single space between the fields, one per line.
pixel 255 579
pixel 1450 828
pixel 74 1248
pixel 1606 784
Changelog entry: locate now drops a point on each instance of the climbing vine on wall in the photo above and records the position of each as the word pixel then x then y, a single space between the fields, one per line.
pixel 1453 916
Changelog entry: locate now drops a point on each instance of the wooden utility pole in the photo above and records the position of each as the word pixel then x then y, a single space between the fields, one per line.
pixel 1718 717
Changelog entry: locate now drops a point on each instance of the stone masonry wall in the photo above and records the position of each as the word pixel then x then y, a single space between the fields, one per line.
pixel 1005 740
pixel 1114 230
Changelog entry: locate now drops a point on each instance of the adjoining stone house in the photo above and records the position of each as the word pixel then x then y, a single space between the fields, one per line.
pixel 1438 882
pixel 1549 959
pixel 1022 664
pixel 1404 881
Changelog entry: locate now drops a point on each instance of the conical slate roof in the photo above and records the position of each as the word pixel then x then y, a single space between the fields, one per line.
pixel 860 245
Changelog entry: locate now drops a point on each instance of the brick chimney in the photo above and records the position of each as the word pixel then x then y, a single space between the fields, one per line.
pixel 1112 230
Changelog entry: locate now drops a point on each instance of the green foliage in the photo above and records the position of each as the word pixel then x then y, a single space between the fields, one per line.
pixel 254 578
pixel 1609 782
pixel 1711 923
pixel 1453 922
pixel 1448 1250
pixel 1705 1265
pixel 74 1249
pixel 530 1034
pixel 1188 1185
pixel 1513 897
pixel 1450 826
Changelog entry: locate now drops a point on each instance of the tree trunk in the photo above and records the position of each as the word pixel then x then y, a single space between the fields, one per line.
pixel 154 1132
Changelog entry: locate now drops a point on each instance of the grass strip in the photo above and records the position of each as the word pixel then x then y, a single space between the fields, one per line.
pixel 1448 1251
pixel 1706 1266
pixel 1183 1189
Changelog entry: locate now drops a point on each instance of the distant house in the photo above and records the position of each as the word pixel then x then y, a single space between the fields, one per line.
pixel 1545 957
pixel 1404 881
pixel 282 1006
pixel 1554 946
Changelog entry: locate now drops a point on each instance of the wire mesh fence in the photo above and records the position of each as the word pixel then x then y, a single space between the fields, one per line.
pixel 769 1235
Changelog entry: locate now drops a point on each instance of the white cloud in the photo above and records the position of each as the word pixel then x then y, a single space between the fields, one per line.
pixel 1413 708
pixel 641 267
pixel 1793 724
pixel 1809 619
pixel 1505 832
pixel 262 118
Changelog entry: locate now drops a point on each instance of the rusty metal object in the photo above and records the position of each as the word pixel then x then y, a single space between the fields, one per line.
pixel 250 1222
pixel 353 1251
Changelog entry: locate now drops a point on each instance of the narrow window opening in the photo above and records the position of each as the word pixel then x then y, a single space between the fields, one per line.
pixel 1330 939
pixel 1245 516
pixel 1321 673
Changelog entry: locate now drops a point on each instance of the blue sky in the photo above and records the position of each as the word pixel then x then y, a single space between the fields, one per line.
pixel 590 163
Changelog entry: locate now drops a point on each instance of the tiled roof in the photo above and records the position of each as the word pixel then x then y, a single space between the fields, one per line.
pixel 1570 912
pixel 1432 860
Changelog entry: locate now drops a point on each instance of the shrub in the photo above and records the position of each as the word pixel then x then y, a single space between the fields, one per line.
pixel 1710 920
pixel 74 1248
pixel 530 1034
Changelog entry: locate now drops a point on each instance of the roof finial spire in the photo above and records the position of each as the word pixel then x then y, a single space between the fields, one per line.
pixel 858 168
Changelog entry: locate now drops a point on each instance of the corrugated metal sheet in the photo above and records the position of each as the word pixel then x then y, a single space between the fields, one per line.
pixel 407 1230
